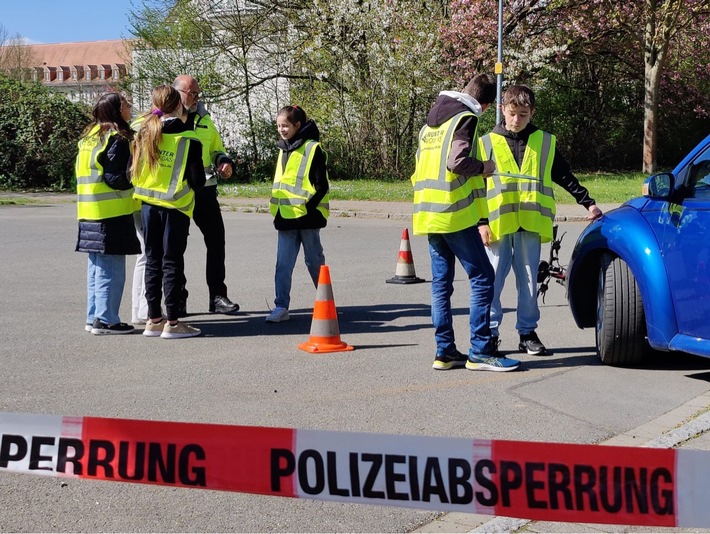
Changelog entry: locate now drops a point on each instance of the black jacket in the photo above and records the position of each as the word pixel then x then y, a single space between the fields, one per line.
pixel 318 177
pixel 116 235
pixel 460 161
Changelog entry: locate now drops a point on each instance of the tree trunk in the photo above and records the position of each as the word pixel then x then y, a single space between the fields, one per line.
pixel 652 78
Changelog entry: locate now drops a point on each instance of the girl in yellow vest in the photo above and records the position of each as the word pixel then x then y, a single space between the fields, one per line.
pixel 104 210
pixel 166 170
pixel 299 202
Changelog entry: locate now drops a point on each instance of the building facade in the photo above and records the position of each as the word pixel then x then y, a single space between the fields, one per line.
pixel 81 71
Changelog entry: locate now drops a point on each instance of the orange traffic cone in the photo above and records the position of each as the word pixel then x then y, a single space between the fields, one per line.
pixel 325 332
pixel 404 272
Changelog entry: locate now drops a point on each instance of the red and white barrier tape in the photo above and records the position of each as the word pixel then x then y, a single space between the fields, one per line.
pixel 533 480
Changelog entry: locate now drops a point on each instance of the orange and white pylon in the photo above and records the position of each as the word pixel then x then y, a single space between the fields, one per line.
pixel 404 272
pixel 325 331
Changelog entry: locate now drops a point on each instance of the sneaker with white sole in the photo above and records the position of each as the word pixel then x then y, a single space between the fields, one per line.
pixel 88 327
pixel 154 329
pixel 486 362
pixel 531 344
pixel 100 328
pixel 278 315
pixel 179 330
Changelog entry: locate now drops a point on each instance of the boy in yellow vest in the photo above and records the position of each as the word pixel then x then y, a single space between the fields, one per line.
pixel 449 199
pixel 521 206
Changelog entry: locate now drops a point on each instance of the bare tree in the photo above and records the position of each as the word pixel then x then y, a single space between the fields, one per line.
pixel 16 57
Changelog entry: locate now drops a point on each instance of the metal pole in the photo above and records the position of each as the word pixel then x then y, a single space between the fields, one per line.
pixel 499 63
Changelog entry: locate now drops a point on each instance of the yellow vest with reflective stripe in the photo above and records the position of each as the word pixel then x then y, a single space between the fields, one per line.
pixel 166 185
pixel 521 197
pixel 292 188
pixel 96 200
pixel 443 201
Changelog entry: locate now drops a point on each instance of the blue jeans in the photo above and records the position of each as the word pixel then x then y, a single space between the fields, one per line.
pixel 520 250
pixel 289 243
pixel 466 245
pixel 105 277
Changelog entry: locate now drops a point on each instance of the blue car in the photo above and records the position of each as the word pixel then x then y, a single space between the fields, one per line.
pixel 640 275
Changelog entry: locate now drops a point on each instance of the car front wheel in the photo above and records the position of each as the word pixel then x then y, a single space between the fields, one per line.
pixel 621 324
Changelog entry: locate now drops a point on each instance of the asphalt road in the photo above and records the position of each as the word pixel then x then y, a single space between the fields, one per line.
pixel 247 372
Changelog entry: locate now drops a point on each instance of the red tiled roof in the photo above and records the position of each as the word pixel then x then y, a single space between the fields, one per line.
pixel 86 53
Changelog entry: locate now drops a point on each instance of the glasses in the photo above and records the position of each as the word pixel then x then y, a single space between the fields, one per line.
pixel 193 94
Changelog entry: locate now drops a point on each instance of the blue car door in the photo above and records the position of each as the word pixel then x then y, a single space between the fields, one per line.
pixel 683 231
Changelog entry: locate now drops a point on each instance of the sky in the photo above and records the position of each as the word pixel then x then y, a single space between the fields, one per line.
pixel 66 21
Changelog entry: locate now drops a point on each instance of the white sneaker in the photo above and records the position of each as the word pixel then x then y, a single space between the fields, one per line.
pixel 277 315
pixel 179 330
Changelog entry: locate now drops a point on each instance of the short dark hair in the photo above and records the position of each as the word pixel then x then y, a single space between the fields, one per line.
pixel 482 88
pixel 519 95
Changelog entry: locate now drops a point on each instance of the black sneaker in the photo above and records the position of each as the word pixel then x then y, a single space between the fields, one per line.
pixel 495 344
pixel 99 328
pixel 443 362
pixel 531 344
pixel 221 304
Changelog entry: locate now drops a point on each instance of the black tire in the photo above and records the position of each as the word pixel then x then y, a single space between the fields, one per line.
pixel 621 323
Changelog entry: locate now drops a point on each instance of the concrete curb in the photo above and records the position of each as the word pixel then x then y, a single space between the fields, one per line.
pixel 343 208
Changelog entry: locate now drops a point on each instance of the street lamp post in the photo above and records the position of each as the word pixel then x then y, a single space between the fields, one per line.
pixel 499 63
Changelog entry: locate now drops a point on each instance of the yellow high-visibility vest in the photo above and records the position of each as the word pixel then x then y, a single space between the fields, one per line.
pixel 165 185
pixel 443 201
pixel 212 145
pixel 521 197
pixel 96 200
pixel 292 188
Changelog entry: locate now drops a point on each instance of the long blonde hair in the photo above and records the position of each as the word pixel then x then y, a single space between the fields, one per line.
pixel 166 99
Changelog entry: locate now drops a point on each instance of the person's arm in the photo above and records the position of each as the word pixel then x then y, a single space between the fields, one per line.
pixel 462 158
pixel 195 170
pixel 115 161
pixel 318 177
pixel 562 175
pixel 221 162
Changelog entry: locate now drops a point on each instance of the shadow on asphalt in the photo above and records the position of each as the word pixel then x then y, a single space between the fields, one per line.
pixel 549 361
pixel 675 361
pixel 351 320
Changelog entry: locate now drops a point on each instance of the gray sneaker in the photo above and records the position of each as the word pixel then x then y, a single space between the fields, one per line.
pixel 486 362
pixel 278 315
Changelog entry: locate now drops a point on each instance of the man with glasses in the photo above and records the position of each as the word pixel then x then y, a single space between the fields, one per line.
pixel 207 214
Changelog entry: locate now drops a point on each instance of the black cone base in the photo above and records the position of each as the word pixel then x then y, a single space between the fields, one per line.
pixel 405 280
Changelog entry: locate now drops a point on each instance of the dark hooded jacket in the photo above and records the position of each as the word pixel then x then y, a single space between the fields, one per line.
pixel 116 235
pixel 318 177
pixel 460 162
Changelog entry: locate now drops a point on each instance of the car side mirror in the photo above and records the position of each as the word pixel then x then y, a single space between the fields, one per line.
pixel 658 186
